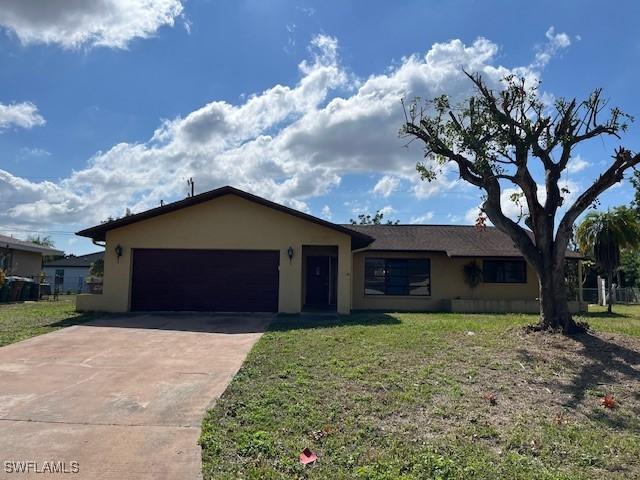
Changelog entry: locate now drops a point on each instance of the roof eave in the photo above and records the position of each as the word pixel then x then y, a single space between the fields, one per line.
pixel 32 249
pixel 403 250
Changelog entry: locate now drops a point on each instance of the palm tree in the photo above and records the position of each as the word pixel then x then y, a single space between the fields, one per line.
pixel 603 234
pixel 45 241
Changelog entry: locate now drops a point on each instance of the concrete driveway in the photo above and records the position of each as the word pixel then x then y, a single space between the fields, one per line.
pixel 123 396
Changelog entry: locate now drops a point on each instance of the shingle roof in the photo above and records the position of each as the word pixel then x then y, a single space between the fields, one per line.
pixel 73 261
pixel 16 244
pixel 454 240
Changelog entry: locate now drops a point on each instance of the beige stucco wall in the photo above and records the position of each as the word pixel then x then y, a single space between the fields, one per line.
pixel 26 264
pixel 447 282
pixel 88 302
pixel 228 222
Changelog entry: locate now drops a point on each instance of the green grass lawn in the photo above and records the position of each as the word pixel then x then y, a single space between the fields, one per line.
pixel 431 396
pixel 19 321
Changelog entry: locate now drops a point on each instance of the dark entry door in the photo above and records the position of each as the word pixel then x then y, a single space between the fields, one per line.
pixel 321 281
pixel 205 280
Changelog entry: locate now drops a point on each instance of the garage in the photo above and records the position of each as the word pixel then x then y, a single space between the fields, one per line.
pixel 205 280
pixel 222 250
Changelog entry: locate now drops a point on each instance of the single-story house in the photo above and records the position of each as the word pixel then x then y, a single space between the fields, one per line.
pixel 228 250
pixel 69 274
pixel 23 259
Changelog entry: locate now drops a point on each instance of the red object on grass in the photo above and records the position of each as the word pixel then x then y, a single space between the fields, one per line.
pixel 608 401
pixel 307 457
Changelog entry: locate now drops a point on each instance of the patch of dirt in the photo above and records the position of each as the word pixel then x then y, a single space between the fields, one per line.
pixel 579 370
pixel 536 375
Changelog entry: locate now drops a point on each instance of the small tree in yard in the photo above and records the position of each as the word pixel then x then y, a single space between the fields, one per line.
pixel 603 235
pixel 498 138
pixel 630 267
pixel 97 268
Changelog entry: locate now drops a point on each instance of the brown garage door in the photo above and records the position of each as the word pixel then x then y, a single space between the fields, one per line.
pixel 205 280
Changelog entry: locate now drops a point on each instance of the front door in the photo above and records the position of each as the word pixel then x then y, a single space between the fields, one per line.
pixel 321 282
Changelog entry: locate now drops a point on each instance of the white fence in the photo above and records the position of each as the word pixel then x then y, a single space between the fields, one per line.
pixel 622 295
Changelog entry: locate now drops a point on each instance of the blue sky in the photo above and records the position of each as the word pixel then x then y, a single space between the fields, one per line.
pixel 115 105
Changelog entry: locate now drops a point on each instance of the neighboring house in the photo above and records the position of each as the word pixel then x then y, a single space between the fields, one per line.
pixel 22 258
pixel 228 250
pixel 69 274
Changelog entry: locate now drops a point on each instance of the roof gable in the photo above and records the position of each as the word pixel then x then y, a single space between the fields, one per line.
pixel 98 232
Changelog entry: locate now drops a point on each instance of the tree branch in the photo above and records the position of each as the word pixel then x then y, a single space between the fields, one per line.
pixel 623 160
pixel 437 146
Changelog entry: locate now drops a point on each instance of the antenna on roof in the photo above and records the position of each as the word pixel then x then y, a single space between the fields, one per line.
pixel 191 186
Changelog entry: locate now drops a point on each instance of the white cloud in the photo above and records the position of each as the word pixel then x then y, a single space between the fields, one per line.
pixel 39 204
pixel 356 207
pixel 326 212
pixel 555 42
pixel 517 209
pixel 387 211
pixel 23 115
pixel 76 23
pixel 471 216
pixel 187 24
pixel 33 152
pixel 386 185
pixel 308 11
pixel 287 143
pixel 420 219
pixel 447 179
pixel 577 164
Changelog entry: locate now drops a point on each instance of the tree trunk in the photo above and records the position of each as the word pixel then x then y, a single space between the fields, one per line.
pixel 554 303
pixel 612 292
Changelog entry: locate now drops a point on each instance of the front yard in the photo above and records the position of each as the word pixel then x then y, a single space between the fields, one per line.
pixel 417 396
pixel 404 396
pixel 20 321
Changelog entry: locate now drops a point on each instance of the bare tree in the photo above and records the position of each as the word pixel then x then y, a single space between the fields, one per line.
pixel 495 138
